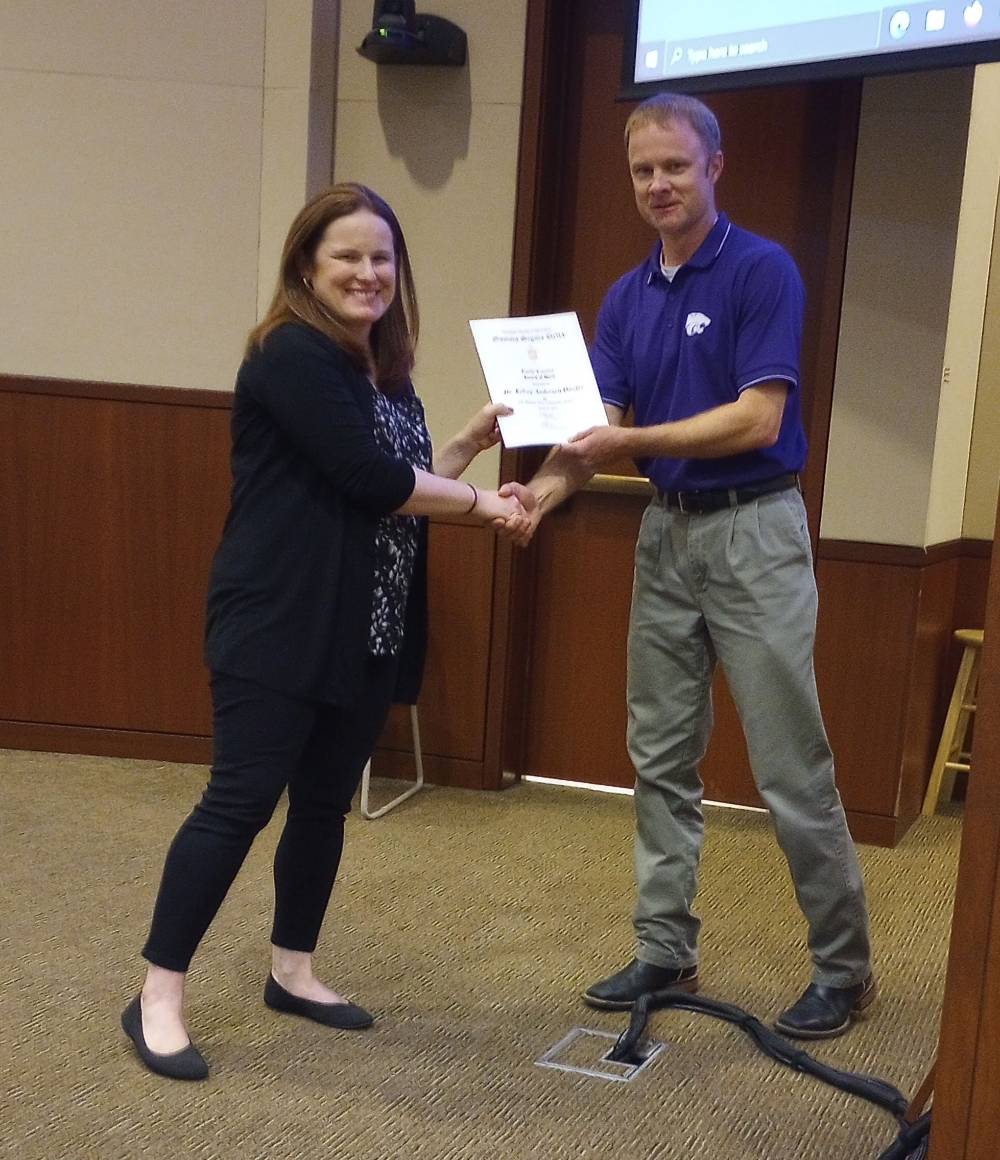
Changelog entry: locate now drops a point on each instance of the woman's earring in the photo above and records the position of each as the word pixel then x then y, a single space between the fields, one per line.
pixel 306 283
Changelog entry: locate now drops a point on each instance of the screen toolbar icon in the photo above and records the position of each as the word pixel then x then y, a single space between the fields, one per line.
pixel 899 24
pixel 973 14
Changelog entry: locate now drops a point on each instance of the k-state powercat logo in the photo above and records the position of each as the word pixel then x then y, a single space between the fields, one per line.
pixel 696 323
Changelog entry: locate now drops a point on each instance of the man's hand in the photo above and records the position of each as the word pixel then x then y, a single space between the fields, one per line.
pixel 519 528
pixel 597 446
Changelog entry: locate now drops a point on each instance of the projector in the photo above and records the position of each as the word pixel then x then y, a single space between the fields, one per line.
pixel 400 36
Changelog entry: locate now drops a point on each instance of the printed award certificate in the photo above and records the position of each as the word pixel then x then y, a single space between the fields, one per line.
pixel 540 368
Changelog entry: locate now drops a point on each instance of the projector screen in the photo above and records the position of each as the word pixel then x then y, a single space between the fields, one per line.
pixel 695 46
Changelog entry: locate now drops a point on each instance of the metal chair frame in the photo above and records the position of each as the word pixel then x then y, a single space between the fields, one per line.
pixel 410 790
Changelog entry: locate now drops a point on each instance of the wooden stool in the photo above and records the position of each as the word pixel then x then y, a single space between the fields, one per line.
pixel 952 755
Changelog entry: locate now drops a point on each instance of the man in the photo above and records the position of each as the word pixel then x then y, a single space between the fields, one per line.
pixel 702 342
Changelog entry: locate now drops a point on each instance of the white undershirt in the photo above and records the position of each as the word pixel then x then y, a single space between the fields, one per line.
pixel 668 272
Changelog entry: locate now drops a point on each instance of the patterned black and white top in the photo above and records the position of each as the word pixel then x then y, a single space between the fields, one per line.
pixel 400 430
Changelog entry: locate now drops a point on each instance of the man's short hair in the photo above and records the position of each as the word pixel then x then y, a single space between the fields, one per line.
pixel 664 108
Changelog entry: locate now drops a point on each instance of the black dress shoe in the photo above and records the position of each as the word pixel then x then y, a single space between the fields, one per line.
pixel 826 1012
pixel 347 1016
pixel 620 991
pixel 188 1063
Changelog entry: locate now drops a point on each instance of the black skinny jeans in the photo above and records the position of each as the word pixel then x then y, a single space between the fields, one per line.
pixel 263 742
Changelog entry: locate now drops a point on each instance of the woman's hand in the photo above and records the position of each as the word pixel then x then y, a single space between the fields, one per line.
pixel 520 528
pixel 483 431
pixel 513 511
pixel 491 507
pixel 480 433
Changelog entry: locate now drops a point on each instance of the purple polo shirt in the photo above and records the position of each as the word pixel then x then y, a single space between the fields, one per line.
pixel 730 319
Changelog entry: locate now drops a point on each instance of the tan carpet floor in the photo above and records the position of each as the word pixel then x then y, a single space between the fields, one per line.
pixel 469 923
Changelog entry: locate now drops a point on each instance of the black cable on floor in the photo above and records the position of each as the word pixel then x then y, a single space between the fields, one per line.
pixel 868 1087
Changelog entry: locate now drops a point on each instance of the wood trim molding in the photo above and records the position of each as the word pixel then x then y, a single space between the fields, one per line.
pixel 492 776
pixel 620 485
pixel 540 171
pixel 540 168
pixel 876 829
pixel 47 738
pixel 902 556
pixel 438 770
pixel 116 392
pixel 192 750
pixel 136 393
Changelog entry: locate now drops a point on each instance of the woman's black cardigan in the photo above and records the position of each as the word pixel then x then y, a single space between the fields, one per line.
pixel 290 594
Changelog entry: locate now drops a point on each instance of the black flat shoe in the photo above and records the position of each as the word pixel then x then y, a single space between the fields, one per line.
pixel 188 1063
pixel 346 1016
pixel 826 1012
pixel 620 991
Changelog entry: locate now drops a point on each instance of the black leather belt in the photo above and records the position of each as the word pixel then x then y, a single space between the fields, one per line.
pixel 697 503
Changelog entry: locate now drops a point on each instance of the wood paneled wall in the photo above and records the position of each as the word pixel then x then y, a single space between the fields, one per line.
pixel 113 499
pixel 885 662
pixel 885 665
pixel 454 701
pixel 112 503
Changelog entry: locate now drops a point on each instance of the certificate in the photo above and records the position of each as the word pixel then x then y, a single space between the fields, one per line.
pixel 540 368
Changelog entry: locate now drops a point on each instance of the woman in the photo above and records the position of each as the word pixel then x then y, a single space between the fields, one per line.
pixel 316 613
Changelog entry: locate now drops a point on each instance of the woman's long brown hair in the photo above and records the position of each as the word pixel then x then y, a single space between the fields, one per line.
pixel 394 337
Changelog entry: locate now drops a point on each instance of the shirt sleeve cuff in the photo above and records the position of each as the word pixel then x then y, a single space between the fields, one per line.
pixel 771 377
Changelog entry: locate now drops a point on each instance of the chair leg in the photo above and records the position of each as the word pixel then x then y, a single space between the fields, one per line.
pixel 955 726
pixel 918 1105
pixel 418 759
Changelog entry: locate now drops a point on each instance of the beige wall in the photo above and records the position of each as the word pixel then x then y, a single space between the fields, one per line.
pixel 300 78
pixel 964 393
pixel 895 313
pixel 984 461
pixel 914 364
pixel 146 154
pixel 154 155
pixel 441 146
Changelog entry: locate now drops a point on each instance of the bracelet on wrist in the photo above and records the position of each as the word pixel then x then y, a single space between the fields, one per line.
pixel 475 500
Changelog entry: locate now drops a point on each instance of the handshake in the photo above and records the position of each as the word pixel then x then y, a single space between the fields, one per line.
pixel 513 510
